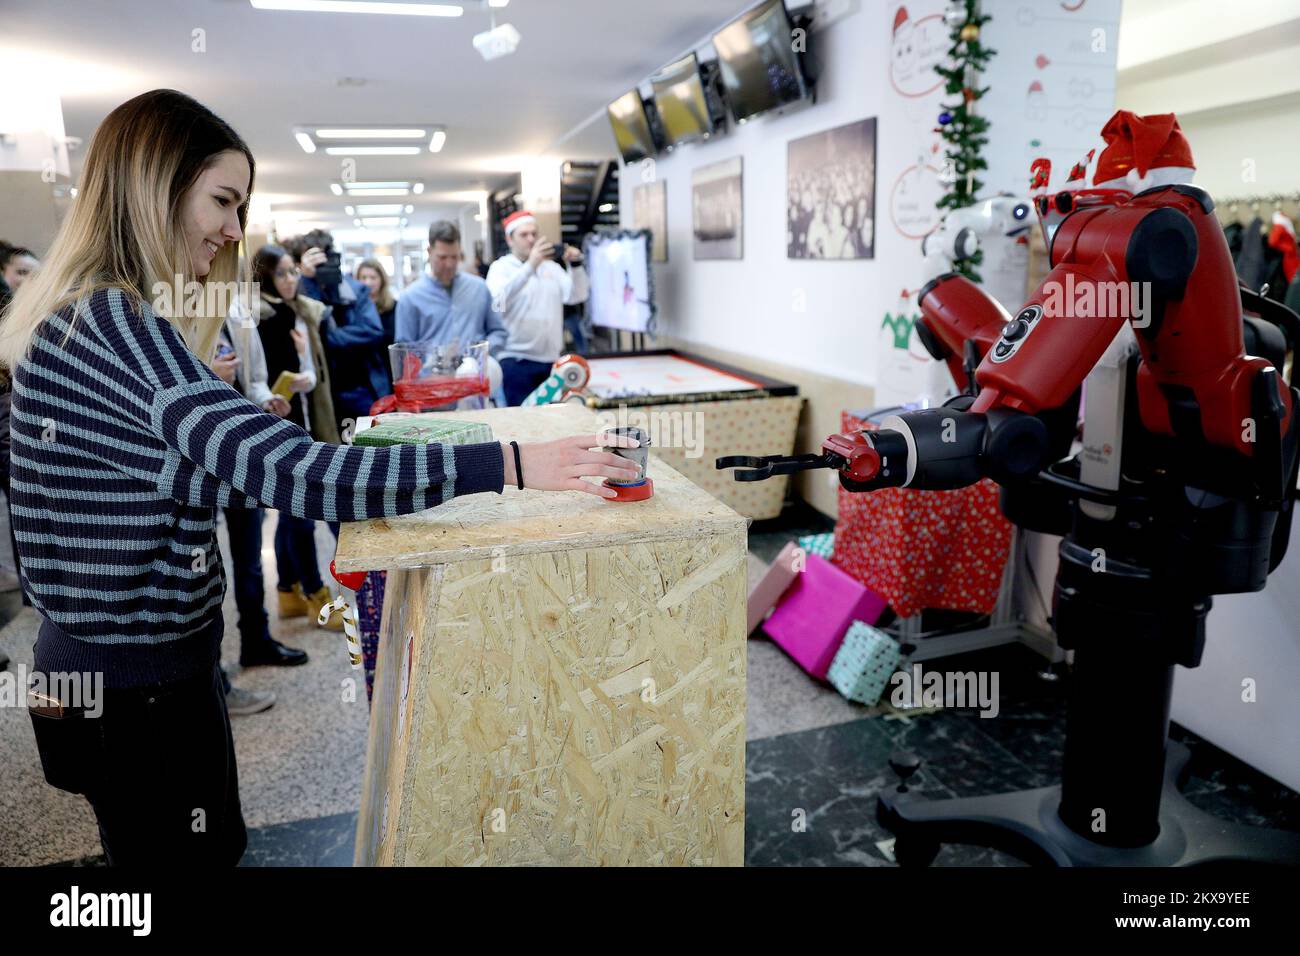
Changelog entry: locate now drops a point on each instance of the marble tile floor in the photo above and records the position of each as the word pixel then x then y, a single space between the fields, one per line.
pixel 808 750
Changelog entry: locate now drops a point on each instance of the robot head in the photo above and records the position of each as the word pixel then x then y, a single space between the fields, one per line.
pixel 1008 215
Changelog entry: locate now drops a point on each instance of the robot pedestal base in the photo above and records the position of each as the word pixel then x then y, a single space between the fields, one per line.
pixel 1026 825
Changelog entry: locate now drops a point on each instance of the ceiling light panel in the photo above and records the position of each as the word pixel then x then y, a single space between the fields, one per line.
pixel 372 150
pixel 362 6
pixel 361 133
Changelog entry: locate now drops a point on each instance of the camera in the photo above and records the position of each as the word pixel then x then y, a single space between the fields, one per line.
pixel 558 252
pixel 329 274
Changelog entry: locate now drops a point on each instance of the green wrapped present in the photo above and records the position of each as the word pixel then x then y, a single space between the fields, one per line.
pixel 821 545
pixel 864 663
pixel 424 430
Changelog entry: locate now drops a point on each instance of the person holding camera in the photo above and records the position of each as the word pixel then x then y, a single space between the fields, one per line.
pixel 353 332
pixel 530 288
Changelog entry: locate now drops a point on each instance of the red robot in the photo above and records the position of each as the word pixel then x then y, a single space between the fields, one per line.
pixel 1194 499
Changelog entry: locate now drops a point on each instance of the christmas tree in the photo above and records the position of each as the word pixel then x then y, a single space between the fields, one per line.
pixel 964 131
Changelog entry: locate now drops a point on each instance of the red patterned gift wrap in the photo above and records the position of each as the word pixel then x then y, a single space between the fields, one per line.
pixel 924 549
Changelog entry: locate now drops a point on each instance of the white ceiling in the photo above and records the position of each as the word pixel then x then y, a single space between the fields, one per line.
pixel 266 72
pixel 1195 57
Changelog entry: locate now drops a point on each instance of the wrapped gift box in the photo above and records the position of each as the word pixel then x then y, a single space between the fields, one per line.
pixel 767 593
pixel 818 608
pixel 864 663
pixel 924 549
pixel 424 430
pixel 822 545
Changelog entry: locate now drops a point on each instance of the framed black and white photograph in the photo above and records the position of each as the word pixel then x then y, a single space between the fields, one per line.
pixel 650 211
pixel 831 193
pixel 717 213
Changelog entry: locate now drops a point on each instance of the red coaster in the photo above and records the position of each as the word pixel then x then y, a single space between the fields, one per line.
pixel 637 492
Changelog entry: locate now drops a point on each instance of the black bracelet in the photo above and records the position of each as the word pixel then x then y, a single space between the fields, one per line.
pixel 519 468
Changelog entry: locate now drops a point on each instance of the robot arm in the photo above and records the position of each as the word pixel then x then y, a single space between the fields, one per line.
pixel 1159 261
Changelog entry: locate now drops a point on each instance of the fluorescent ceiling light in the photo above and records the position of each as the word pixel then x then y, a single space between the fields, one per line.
pixel 373 185
pixel 381 221
pixel 498 4
pixel 438 140
pixel 378 192
pixel 336 189
pixel 372 150
pixel 377 209
pixel 350 210
pixel 356 6
pixel 356 222
pixel 305 141
pixel 417 188
pixel 370 133
pixel 409 208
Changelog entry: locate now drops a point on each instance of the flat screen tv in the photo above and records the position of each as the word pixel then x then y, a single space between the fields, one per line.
pixel 759 68
pixel 631 127
pixel 622 290
pixel 679 98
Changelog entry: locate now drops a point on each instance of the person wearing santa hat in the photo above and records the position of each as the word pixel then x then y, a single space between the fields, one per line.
pixel 530 290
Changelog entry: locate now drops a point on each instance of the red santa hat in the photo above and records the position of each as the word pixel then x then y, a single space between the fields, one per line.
pixel 517 219
pixel 900 17
pixel 1142 143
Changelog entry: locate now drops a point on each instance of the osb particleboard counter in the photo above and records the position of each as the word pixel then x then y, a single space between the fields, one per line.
pixel 561 679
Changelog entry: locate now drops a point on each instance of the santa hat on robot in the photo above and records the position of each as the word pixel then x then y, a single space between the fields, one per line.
pixel 517 219
pixel 1142 152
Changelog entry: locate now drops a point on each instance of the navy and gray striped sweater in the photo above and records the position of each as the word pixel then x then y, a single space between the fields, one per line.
pixel 124 446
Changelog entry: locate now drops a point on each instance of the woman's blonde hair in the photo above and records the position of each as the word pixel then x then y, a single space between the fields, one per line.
pixel 384 297
pixel 124 229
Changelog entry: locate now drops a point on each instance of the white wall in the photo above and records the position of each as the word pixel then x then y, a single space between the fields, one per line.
pixel 748 305
pixel 1250 150
pixel 753 306
pixel 1235 84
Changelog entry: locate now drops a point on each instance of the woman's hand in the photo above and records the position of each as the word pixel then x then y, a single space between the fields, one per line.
pixel 299 341
pixel 224 367
pixel 276 406
pixel 559 465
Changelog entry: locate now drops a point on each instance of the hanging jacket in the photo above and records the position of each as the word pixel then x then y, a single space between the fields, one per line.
pixel 1250 263
pixel 1282 238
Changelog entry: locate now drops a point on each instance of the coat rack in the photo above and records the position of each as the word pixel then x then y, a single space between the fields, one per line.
pixel 1242 209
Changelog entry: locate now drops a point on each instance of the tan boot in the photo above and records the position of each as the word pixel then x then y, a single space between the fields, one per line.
pixel 293 603
pixel 317 601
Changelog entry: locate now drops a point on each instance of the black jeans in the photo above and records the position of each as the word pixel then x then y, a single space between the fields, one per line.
pixel 245 528
pixel 158 767
pixel 295 553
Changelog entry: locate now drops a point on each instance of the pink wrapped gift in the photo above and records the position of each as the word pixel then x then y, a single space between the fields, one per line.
pixel 818 608
pixel 768 591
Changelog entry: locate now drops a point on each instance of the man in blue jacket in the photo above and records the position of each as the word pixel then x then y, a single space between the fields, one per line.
pixel 353 334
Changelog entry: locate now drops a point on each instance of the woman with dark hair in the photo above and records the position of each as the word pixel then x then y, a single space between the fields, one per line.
pixel 289 329
pixel 124 445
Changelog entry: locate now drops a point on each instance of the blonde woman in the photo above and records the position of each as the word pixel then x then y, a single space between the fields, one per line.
pixel 124 445
pixel 372 275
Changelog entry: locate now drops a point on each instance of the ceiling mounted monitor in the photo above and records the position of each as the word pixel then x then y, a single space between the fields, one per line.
pixel 631 125
pixel 682 101
pixel 759 67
